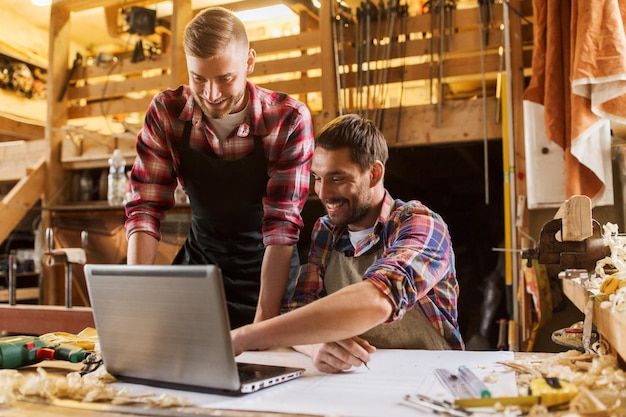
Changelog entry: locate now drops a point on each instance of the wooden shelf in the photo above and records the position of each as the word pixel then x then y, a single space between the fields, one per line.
pixel 21 294
pixel 612 326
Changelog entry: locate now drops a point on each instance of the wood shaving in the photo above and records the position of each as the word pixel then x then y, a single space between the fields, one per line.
pixel 582 369
pixel 591 373
pixel 93 387
pixel 610 288
pixel 86 339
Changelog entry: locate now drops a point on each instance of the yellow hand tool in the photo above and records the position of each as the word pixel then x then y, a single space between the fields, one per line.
pixel 550 392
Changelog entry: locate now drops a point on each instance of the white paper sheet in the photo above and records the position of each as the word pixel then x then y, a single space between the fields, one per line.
pixel 363 392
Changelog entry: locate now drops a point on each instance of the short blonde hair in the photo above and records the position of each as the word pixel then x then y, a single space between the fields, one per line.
pixel 212 31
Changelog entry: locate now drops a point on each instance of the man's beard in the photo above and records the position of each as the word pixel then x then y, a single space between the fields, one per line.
pixel 356 214
pixel 218 113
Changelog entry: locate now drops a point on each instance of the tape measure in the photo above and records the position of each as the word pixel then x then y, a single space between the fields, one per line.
pixel 552 391
pixel 549 392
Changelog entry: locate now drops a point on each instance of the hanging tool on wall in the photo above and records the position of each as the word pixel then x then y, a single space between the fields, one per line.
pixel 381 16
pixel 432 10
pixel 446 33
pixel 358 43
pixel 335 25
pixel 442 18
pixel 78 62
pixel 392 13
pixel 440 53
pixel 484 16
pixel 367 14
pixel 343 20
pixel 403 11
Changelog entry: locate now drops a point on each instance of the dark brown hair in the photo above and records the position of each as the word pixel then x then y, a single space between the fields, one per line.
pixel 366 142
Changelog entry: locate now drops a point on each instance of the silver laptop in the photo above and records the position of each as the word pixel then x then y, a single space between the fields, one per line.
pixel 167 325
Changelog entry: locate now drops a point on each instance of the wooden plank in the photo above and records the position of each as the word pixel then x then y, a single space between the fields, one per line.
pixel 38 320
pixel 21 199
pixel 178 61
pixel 576 219
pixel 455 70
pixel 301 41
pixel 462 124
pixel 18 157
pixel 21 294
pixel 79 5
pixel 107 90
pixel 330 87
pixel 110 107
pixel 12 129
pixel 290 65
pixel 419 48
pixel 124 67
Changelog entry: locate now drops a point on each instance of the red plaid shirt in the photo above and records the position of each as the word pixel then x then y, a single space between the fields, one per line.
pixel 286 128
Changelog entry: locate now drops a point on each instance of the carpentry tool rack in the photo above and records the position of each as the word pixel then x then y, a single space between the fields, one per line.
pixel 427 78
pixel 380 61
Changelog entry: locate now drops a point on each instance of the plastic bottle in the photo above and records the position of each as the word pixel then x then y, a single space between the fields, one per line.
pixel 117 179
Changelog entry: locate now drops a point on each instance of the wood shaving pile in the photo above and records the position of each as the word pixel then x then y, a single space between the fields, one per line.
pixel 610 288
pixel 17 385
pixel 600 381
pixel 86 339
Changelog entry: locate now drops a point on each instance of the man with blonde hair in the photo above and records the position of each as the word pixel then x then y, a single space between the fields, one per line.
pixel 242 154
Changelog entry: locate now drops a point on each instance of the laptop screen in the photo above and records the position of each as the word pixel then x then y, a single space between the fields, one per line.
pixel 163 323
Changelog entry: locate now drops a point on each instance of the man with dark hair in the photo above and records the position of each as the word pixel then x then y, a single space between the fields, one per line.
pixel 242 154
pixel 381 271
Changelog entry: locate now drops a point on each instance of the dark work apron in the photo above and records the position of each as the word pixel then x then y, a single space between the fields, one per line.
pixel 227 214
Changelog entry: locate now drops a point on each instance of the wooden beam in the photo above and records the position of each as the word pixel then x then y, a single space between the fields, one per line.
pixel 120 89
pixel 329 86
pixel 11 129
pixel 111 107
pixel 21 199
pixel 178 61
pixel 464 123
pixel 21 294
pixel 302 41
pixel 80 5
pixel 38 320
pixel 18 157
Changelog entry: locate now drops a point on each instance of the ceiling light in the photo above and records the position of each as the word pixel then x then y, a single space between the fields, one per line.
pixel 271 12
pixel 41 2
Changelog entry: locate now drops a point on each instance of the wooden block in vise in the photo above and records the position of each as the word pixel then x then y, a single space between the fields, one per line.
pixel 577 222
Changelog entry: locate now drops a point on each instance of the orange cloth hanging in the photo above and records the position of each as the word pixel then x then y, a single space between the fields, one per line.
pixel 579 76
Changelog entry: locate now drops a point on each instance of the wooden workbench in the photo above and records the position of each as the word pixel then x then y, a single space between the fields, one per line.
pixel 611 325
pixel 363 392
